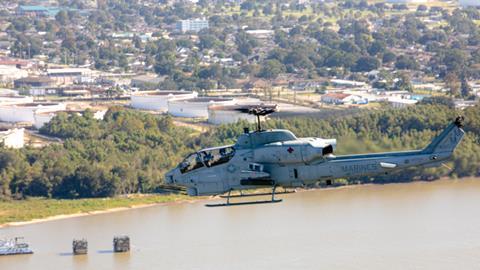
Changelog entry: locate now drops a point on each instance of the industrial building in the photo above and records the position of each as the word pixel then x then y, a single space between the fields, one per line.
pixel 36 86
pixel 146 81
pixel 158 100
pixel 66 76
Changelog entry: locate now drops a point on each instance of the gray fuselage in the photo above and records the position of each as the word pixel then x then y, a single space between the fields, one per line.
pixel 278 158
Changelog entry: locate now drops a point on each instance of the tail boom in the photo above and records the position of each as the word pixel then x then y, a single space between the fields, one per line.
pixel 437 152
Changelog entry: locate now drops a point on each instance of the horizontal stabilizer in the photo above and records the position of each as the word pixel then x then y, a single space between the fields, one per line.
pixel 387 165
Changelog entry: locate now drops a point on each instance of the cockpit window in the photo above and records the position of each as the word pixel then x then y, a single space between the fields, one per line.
pixel 207 158
pixel 218 156
pixel 190 163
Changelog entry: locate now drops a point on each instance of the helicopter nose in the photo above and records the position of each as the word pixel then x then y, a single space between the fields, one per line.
pixel 169 179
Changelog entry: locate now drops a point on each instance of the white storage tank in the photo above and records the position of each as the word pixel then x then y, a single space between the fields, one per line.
pixel 158 100
pixel 218 114
pixel 25 113
pixel 41 118
pixel 196 107
pixel 13 99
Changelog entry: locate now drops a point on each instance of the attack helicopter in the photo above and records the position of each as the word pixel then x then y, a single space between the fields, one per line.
pixel 277 158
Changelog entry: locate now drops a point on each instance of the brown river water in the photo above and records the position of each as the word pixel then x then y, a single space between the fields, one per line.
pixel 419 225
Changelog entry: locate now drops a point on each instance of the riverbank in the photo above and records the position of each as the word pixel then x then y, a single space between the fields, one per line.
pixel 34 210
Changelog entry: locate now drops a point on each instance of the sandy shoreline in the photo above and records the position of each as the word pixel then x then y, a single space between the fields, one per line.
pixel 91 213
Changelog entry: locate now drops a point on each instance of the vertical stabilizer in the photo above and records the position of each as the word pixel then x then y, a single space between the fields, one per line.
pixel 448 140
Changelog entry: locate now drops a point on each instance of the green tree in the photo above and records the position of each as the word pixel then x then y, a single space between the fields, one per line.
pixel 452 82
pixel 271 69
pixel 62 17
pixel 366 63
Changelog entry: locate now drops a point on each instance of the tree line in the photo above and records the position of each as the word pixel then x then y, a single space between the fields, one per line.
pixel 129 151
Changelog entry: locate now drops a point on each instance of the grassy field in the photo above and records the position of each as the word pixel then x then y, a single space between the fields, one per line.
pixel 38 208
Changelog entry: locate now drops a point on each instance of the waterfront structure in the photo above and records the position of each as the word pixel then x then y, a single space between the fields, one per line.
pixel 80 247
pixel 121 243
pixel 193 25
pixel 158 100
pixel 14 247
pixel 196 107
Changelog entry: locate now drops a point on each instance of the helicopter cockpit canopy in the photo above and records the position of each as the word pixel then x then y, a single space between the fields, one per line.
pixel 207 157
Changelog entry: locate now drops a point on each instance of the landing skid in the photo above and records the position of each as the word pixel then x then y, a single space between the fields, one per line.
pixel 243 203
pixel 228 203
pixel 255 194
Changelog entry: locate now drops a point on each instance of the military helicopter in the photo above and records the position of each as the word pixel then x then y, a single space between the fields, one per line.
pixel 277 158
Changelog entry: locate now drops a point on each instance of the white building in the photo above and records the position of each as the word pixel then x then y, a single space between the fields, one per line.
pixel 342 98
pixel 347 83
pixel 261 33
pixel 194 25
pixel 12 138
pixel 158 100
